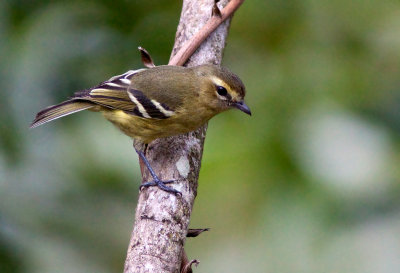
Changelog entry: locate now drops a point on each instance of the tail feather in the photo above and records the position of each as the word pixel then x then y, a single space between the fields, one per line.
pixel 60 110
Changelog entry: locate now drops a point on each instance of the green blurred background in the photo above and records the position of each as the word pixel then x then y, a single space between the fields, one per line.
pixel 309 183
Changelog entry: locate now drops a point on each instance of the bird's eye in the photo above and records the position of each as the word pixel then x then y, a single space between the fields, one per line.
pixel 221 91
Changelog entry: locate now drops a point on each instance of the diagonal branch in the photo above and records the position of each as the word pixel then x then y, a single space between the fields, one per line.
pixel 162 219
pixel 184 53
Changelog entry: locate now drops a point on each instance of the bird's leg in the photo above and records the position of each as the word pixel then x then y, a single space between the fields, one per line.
pixel 156 181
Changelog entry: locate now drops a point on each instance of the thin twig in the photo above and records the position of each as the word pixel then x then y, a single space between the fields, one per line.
pixel 189 48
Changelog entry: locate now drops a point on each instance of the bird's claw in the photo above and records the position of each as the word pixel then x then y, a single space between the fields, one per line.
pixel 161 185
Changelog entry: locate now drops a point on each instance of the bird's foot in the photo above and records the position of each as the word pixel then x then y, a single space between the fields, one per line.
pixel 161 185
pixel 156 181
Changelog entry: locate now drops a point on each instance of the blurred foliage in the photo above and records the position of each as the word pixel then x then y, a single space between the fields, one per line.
pixel 309 183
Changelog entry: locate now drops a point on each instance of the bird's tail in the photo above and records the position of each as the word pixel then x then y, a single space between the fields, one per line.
pixel 60 110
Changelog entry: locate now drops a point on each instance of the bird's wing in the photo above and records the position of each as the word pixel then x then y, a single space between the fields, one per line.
pixel 116 93
pixel 148 107
pixel 111 94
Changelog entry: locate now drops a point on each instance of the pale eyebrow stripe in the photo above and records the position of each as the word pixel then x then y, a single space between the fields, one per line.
pixel 222 83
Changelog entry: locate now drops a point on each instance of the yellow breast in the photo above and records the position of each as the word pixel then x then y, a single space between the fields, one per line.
pixel 147 130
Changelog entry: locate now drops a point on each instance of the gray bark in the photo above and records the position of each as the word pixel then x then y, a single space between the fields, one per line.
pixel 162 219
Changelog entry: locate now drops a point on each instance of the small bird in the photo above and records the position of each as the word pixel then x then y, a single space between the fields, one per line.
pixel 162 101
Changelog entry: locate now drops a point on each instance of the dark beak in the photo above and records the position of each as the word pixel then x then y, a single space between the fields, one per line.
pixel 242 107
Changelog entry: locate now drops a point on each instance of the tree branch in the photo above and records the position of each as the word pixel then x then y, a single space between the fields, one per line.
pixel 162 219
pixel 181 56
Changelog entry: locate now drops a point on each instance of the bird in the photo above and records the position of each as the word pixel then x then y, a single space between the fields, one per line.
pixel 157 102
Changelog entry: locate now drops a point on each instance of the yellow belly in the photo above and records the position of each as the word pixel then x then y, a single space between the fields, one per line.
pixel 147 130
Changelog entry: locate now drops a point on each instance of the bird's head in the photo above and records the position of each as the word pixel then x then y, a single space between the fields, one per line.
pixel 221 89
